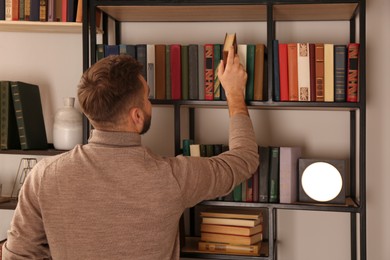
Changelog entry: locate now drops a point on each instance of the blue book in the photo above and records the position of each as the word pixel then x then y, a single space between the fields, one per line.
pixel 34 10
pixel 276 77
pixel 111 50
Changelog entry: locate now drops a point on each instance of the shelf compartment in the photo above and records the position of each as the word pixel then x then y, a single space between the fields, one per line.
pixel 190 249
pixel 11 204
pixel 47 27
pixel 185 13
pixel 350 206
pixel 314 12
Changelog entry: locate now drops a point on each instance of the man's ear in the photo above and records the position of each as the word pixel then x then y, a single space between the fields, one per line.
pixel 137 118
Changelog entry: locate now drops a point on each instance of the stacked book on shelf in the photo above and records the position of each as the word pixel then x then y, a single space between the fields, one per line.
pixel 231 231
pixel 41 10
pixel 21 117
pixel 319 72
pixel 189 72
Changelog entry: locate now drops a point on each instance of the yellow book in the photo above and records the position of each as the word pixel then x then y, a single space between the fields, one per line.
pixel 328 73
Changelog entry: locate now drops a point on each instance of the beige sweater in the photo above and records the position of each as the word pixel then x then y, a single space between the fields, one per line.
pixel 115 199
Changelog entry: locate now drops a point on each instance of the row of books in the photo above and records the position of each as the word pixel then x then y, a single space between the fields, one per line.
pixel 189 72
pixel 275 180
pixel 231 231
pixel 316 72
pixel 21 117
pixel 41 10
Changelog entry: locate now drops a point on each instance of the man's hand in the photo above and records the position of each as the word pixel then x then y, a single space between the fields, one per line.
pixel 233 79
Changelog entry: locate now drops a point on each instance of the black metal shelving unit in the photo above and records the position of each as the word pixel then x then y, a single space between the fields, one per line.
pixel 270 12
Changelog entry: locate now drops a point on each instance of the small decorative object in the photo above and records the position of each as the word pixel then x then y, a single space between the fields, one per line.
pixel 68 126
pixel 322 181
pixel 25 166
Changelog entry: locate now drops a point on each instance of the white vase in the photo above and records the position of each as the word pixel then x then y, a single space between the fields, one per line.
pixel 68 126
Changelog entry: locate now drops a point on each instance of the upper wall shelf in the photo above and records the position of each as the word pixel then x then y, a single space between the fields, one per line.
pixel 47 27
pixel 190 12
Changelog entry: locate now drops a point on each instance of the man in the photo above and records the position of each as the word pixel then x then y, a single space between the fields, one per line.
pixel 113 198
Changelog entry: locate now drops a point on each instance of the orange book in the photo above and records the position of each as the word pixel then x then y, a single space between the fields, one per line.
pixel 160 71
pixel 283 72
pixel 353 69
pixel 292 61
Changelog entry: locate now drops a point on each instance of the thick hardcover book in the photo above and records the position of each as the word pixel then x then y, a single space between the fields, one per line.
pixel 320 95
pixel 8 10
pixel 303 72
pixel 340 73
pixel 274 175
pixel 29 115
pixel 329 72
pixel 264 152
pixel 21 9
pixel 231 230
pixel 185 88
pixel 141 51
pixel 71 11
pixel 209 71
pixel 151 69
pixel 168 87
pixel 27 9
pixel 283 72
pixel 64 10
pixel 160 71
pixel 217 59
pixel 223 248
pixel 201 64
pixel 312 57
pixel 292 61
pixel 232 239
pixel 259 86
pixel 276 68
pixel 230 40
pixel 250 69
pixel 234 213
pixel 176 71
pixel 289 174
pixel 15 10
pixel 195 150
pixel 2 9
pixel 34 10
pixel 353 72
pixel 111 50
pixel 232 221
pixel 43 10
pixel 193 72
pixel 9 137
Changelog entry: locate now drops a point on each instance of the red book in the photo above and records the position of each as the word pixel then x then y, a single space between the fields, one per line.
pixel 175 59
pixel 209 71
pixel 64 10
pixel 15 10
pixel 353 72
pixel 292 61
pixel 283 72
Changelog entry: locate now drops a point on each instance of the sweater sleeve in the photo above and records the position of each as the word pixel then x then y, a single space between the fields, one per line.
pixel 26 237
pixel 202 178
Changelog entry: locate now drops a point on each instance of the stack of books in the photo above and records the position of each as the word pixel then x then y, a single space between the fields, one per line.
pixel 231 231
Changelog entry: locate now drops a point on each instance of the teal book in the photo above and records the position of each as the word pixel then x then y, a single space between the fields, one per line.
pixel 237 193
pixel 186 147
pixel 29 116
pixel 250 69
pixel 9 137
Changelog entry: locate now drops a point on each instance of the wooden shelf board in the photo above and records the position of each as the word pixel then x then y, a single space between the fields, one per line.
pixel 48 152
pixel 314 12
pixel 206 13
pixel 48 27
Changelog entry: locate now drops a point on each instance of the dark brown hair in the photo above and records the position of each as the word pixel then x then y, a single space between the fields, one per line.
pixel 109 88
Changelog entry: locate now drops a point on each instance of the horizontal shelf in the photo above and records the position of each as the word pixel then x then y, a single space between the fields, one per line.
pixel 343 106
pixel 48 152
pixel 350 206
pixel 47 27
pixel 222 11
pixel 190 249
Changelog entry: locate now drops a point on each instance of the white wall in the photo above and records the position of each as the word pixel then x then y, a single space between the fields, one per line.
pixel 54 62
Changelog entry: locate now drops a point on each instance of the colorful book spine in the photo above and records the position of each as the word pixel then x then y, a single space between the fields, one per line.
pixel 274 175
pixel 303 62
pixel 340 73
pixel 353 72
pixel 292 61
pixel 250 69
pixel 209 72
pixel 283 72
pixel 217 59
pixel 329 72
pixel 259 88
pixel 175 71
pixel 160 71
pixel 319 72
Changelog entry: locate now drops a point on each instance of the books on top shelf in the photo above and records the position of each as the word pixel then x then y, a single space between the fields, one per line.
pixel 22 122
pixel 316 72
pixel 189 72
pixel 231 231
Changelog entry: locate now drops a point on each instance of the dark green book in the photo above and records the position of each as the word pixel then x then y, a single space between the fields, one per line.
pixel 193 76
pixel 237 193
pixel 340 73
pixel 250 69
pixel 9 137
pixel 29 115
pixel 264 153
pixel 186 147
pixel 217 59
pixel 184 73
pixel 203 150
pixel 274 175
